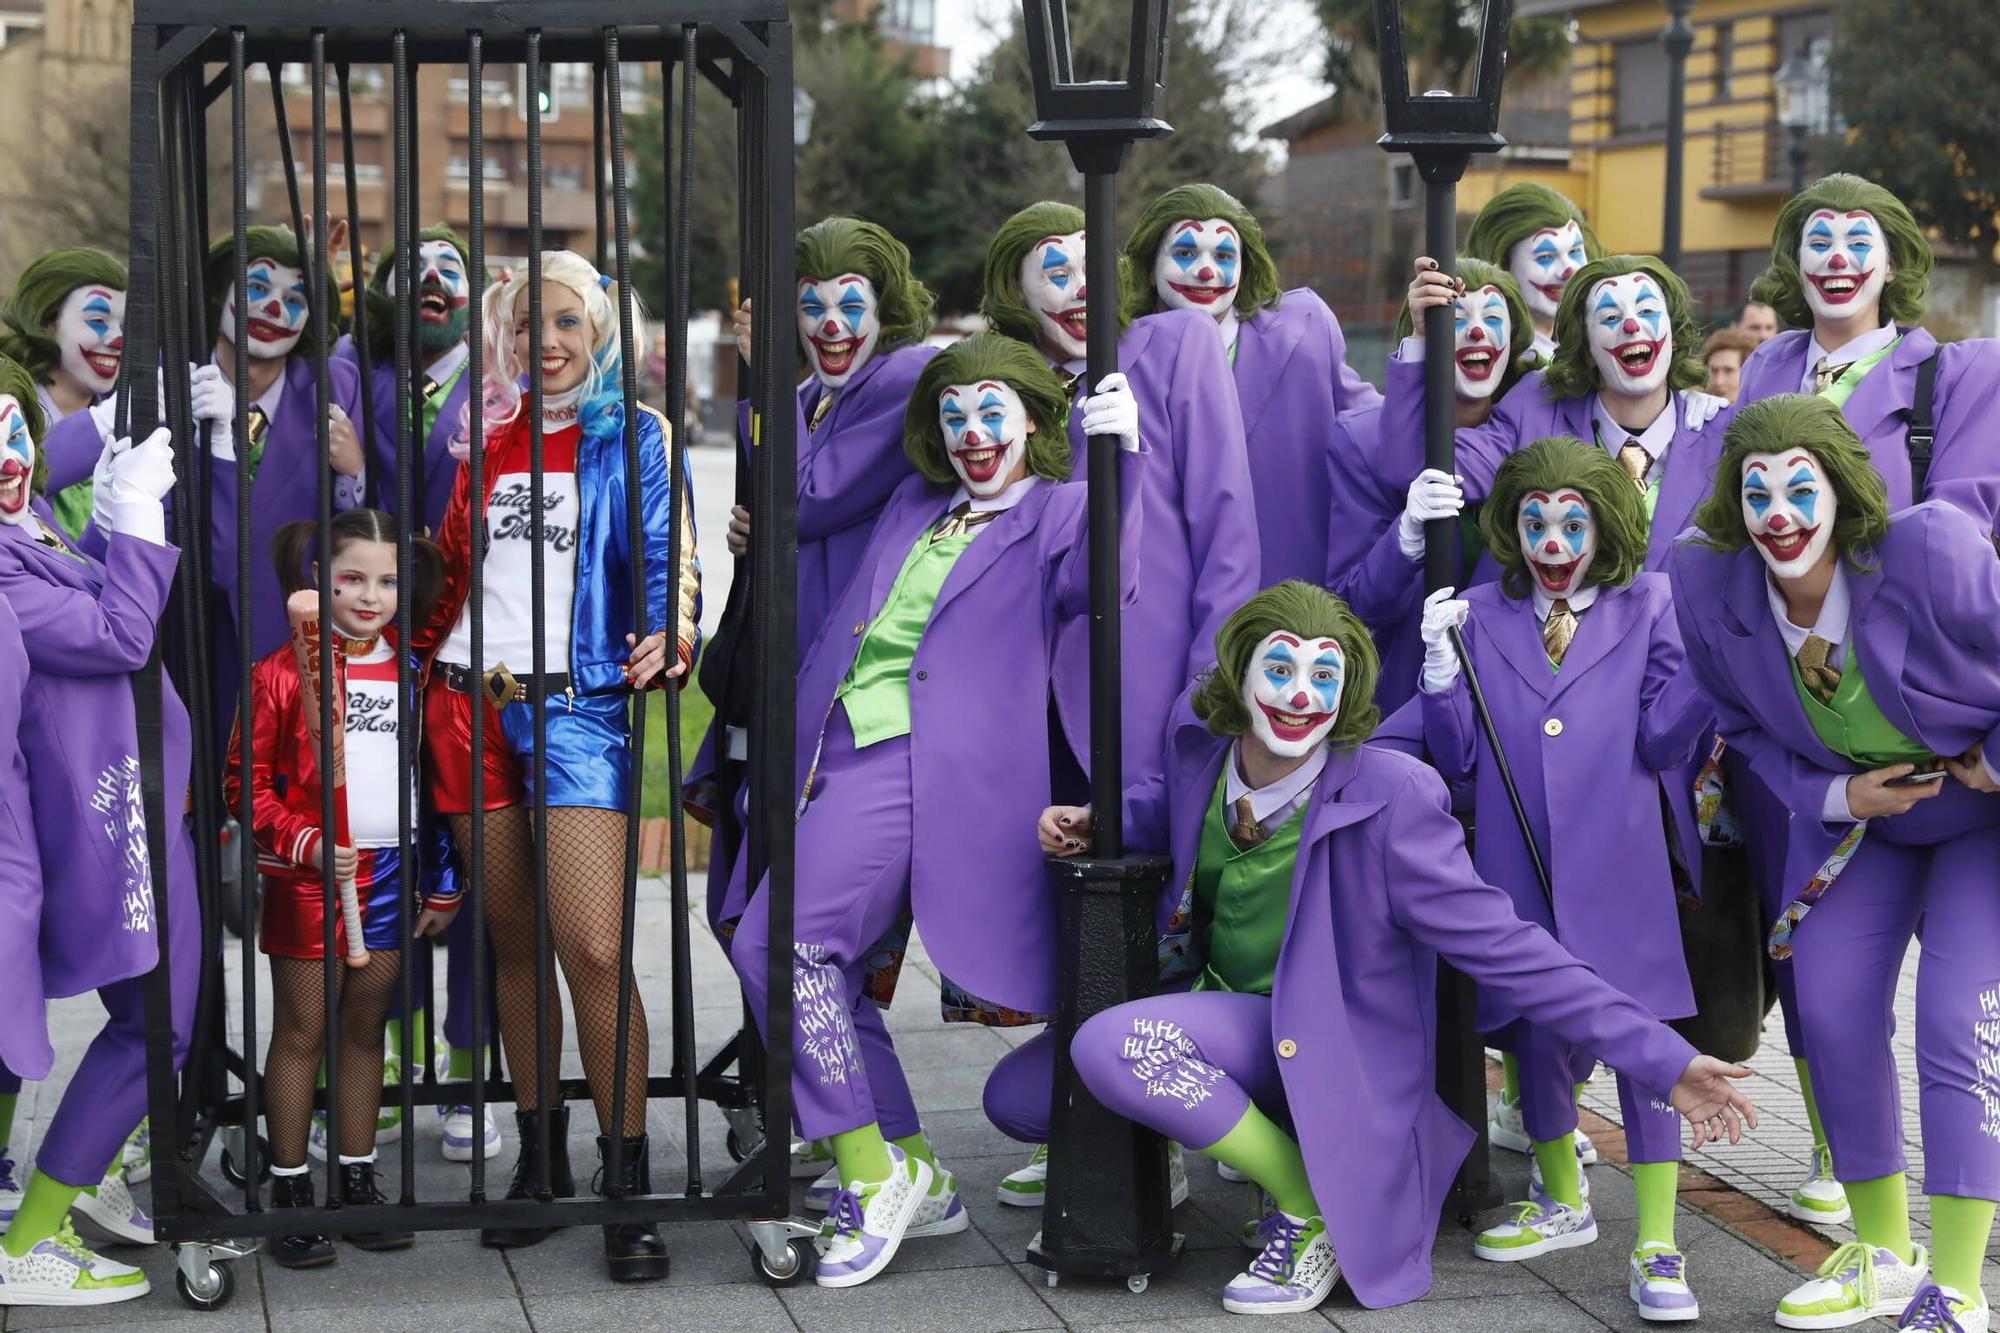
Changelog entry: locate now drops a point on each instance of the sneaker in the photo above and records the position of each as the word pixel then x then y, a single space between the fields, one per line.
pixel 1505 1128
pixel 1262 1205
pixel 1540 1226
pixel 1230 1173
pixel 1027 1187
pixel 1858 1281
pixel 1535 1190
pixel 1659 1286
pixel 940 1213
pixel 111 1210
pixel 10 1193
pixel 63 1271
pixel 1819 1197
pixel 811 1157
pixel 1938 1309
pixel 316 1139
pixel 869 1220
pixel 1293 1273
pixel 460 1137
pixel 137 1158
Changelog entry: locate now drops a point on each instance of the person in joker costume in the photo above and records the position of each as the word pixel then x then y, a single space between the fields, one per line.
pixel 87 613
pixel 1854 659
pixel 1205 252
pixel 1317 881
pixel 1540 238
pixel 1583 670
pixel 984 552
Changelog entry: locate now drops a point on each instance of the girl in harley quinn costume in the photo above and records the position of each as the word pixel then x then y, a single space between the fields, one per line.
pixel 292 850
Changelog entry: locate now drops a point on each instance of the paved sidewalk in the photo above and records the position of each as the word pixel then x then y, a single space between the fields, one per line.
pixel 975 1282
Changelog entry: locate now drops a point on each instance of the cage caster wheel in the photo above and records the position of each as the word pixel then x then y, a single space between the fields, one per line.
pixel 795 1269
pixel 209 1290
pixel 232 1163
pixel 740 1149
pixel 1137 1283
pixel 1053 1278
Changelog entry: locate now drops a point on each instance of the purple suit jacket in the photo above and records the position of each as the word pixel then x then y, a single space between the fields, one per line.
pixel 1925 621
pixel 1365 565
pixel 1292 382
pixel 1965 411
pixel 72 449
pixel 24 1029
pixel 434 468
pixel 1625 715
pixel 1381 890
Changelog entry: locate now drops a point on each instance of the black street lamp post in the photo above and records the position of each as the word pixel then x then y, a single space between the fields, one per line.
pixel 1799 97
pixel 1678 38
pixel 1106 1211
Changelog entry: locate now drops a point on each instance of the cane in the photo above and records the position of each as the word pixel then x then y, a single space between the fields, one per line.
pixel 307 644
pixel 1505 770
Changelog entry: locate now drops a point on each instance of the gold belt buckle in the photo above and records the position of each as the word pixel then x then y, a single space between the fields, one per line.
pixel 500 687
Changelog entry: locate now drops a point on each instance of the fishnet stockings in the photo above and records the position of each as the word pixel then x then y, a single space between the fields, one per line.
pixel 298 1043
pixel 586 893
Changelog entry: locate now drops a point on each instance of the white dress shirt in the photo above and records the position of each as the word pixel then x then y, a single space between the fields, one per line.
pixel 1275 804
pixel 1846 354
pixel 1656 439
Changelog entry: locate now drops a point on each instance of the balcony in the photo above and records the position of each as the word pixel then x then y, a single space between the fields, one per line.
pixel 1753 160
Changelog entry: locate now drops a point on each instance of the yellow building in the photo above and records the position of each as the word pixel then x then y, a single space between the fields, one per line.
pixel 1738 162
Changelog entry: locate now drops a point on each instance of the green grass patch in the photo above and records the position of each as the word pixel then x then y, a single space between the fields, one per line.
pixel 696 710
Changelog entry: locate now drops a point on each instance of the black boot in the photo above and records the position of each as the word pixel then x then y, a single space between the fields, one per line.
pixel 561 1183
pixel 633 1249
pixel 308 1250
pixel 358 1188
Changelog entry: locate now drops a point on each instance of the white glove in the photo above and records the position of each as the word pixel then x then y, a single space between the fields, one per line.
pixel 1112 410
pixel 213 399
pixel 1443 613
pixel 104 412
pixel 1701 408
pixel 100 485
pixel 141 476
pixel 1433 495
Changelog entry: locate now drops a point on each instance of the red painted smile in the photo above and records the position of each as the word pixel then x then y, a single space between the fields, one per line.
pixel 1075 323
pixel 1476 363
pixel 1788 546
pixel 835 355
pixel 13 486
pixel 1552 290
pixel 1839 288
pixel 1292 726
pixel 1201 295
pixel 981 464
pixel 1636 358
pixel 264 331
pixel 104 363
pixel 1556 578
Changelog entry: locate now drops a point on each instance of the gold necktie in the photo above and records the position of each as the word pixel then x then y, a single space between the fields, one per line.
pixel 820 409
pixel 1069 380
pixel 1820 675
pixel 962 519
pixel 1246 832
pixel 1635 460
pixel 1824 375
pixel 1558 631
pixel 259 424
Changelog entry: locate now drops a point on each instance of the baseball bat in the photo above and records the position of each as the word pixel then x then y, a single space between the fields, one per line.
pixel 307 644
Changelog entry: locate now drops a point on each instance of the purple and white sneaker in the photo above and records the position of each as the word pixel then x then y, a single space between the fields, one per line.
pixel 1537 1227
pixel 10 1192
pixel 870 1219
pixel 1293 1274
pixel 1659 1285
pixel 819 1194
pixel 940 1213
pixel 110 1210
pixel 1936 1309
pixel 461 1136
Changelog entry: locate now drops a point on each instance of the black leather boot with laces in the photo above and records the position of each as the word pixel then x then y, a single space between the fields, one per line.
pixel 633 1250
pixel 561 1184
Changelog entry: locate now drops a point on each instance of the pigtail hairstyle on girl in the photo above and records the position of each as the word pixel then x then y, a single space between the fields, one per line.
pixel 293 552
pixel 602 395
pixel 1295 607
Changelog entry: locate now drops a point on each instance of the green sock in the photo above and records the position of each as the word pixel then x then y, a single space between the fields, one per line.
pixel 1510 1074
pixel 918 1149
pixel 44 1205
pixel 395 1027
pixel 1812 1106
pixel 7 1101
pixel 1561 1176
pixel 1882 1213
pixel 1656 1184
pixel 862 1154
pixel 1578 1090
pixel 1959 1231
pixel 1270 1157
pixel 459 1065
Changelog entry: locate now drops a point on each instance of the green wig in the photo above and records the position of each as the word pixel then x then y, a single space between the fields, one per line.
pixel 1257 286
pixel 15 381
pixel 1783 287
pixel 1301 608
pixel 840 245
pixel 381 307
pixel 1518 212
pixel 1000 298
pixel 38 298
pixel 1798 421
pixel 278 245
pixel 989 356
pixel 1565 463
pixel 1521 354
pixel 1573 371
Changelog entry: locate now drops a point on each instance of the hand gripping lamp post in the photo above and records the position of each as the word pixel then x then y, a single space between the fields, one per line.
pixel 1107 1209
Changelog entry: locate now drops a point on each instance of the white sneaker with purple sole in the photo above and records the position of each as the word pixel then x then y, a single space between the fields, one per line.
pixel 1294 1272
pixel 869 1220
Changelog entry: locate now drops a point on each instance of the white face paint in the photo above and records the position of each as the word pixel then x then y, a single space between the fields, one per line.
pixel 1559 538
pixel 90 329
pixel 1199 266
pixel 1543 262
pixel 1631 337
pixel 17 460
pixel 1482 332
pixel 1846 265
pixel 1292 689
pixel 277 309
pixel 1052 285
pixel 986 430
pixel 1789 510
pixel 839 324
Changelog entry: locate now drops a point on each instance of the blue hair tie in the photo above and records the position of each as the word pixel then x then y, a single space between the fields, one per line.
pixel 604 281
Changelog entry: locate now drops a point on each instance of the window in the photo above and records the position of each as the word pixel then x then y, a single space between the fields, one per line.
pixel 1725 51
pixel 913 21
pixel 455 168
pixel 1641 86
pixel 1402 185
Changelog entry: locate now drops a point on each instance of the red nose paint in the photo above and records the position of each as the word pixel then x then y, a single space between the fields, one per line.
pixel 829 329
pixel 1552 549
pixel 1777 523
pixel 1299 701
pixel 1631 326
pixel 1205 275
pixel 1477 335
pixel 972 440
pixel 1838 261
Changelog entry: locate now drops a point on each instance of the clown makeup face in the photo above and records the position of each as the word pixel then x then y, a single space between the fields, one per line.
pixel 1789 510
pixel 839 323
pixel 1482 332
pixel 1292 690
pixel 1845 264
pixel 443 294
pixel 90 329
pixel 17 461
pixel 1199 266
pixel 1543 262
pixel 1631 338
pixel 986 430
pixel 1559 538
pixel 1052 285
pixel 277 309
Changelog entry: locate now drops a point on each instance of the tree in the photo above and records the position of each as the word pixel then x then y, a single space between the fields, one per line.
pixel 1441 41
pixel 1926 126
pixel 654 171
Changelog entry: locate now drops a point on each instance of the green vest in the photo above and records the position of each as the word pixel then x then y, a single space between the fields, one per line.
pixel 876 690
pixel 434 401
pixel 1853 725
pixel 1838 391
pixel 1242 899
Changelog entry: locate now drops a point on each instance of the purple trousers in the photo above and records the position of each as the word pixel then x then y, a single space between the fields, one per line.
pixel 1550 1069
pixel 1018 1091
pixel 852 850
pixel 1763 819
pixel 1187 1065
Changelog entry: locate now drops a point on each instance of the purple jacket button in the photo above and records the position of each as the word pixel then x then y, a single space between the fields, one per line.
pixel 1553 727
pixel 1287 1049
